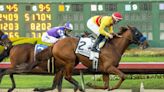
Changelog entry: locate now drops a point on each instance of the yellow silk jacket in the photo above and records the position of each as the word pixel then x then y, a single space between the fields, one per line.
pixel 104 22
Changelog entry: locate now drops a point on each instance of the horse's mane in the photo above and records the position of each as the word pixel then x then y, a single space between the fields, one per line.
pixel 122 30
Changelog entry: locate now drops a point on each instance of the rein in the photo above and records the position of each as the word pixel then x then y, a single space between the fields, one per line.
pixel 6 43
pixel 131 40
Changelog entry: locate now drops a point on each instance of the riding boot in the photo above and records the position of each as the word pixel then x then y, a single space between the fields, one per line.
pixel 98 40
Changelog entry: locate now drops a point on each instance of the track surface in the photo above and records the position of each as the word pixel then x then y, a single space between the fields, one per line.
pixel 87 90
pixel 68 90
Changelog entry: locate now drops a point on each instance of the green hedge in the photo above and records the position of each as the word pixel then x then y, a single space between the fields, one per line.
pixel 150 52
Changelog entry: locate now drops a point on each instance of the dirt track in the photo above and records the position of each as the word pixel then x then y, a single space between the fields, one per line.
pixel 87 90
pixel 66 90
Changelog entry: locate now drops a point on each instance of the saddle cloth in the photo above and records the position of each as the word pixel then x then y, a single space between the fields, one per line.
pixel 39 48
pixel 50 63
pixel 85 44
pixel 84 48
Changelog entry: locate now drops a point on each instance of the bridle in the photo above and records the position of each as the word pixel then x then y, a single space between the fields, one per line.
pixel 4 42
pixel 137 37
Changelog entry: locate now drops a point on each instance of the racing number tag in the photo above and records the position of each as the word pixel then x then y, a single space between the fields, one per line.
pixel 81 44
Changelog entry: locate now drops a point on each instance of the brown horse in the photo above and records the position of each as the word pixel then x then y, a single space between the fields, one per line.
pixel 21 56
pixel 110 55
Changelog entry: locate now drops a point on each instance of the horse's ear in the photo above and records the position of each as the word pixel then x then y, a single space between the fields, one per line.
pixel 129 27
pixel 122 29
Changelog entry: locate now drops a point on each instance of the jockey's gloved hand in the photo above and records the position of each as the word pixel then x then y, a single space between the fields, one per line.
pixel 117 35
pixel 109 35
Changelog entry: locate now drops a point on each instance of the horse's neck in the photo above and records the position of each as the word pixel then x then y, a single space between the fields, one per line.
pixel 120 45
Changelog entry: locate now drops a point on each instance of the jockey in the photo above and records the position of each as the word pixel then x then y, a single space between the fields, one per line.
pixel 56 33
pixel 98 24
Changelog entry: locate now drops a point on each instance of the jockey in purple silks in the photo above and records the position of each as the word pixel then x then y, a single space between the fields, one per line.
pixel 56 33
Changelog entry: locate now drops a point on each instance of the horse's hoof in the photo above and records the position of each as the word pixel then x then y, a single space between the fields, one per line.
pixel 110 89
pixel 36 89
pixel 10 90
pixel 81 90
pixel 75 89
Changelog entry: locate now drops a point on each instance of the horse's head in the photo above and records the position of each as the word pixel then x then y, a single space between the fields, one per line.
pixel 4 40
pixel 136 37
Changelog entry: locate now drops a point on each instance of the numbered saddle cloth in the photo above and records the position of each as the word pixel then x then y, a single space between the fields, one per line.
pixel 84 46
pixel 39 48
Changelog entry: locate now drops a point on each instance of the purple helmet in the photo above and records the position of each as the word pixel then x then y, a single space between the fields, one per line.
pixel 68 26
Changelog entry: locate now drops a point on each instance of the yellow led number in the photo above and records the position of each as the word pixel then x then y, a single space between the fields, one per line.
pixel 9 21
pixel 12 7
pixel 37 17
pixel 9 26
pixel 40 26
pixel 44 7
pixel 12 34
pixel 34 34
pixel 9 17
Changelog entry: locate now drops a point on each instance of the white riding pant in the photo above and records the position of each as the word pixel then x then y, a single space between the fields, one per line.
pixel 93 27
pixel 49 39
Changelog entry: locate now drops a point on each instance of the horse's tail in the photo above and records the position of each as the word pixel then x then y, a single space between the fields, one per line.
pixel 45 54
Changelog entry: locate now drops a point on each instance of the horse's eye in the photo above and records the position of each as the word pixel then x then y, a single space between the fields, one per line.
pixel 136 33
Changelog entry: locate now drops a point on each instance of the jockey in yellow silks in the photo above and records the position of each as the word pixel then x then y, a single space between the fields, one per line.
pixel 98 24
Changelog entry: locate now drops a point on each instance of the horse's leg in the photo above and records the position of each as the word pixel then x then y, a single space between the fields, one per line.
pixel 74 82
pixel 68 77
pixel 59 86
pixel 2 74
pixel 10 72
pixel 13 83
pixel 116 71
pixel 56 80
pixel 105 82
